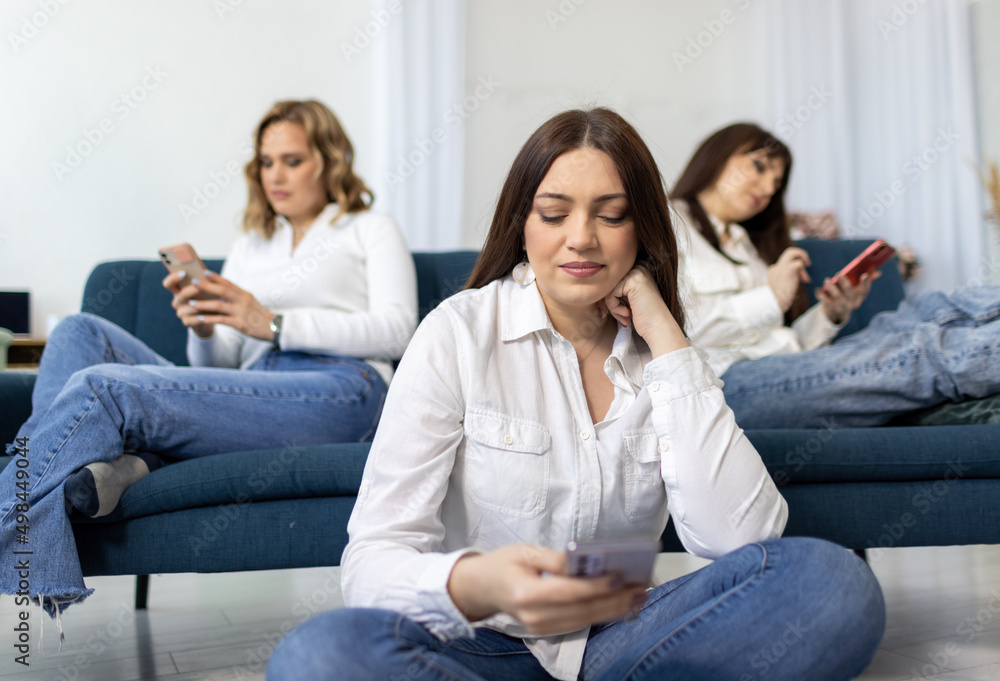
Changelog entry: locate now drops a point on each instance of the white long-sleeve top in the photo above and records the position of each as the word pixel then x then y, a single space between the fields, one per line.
pixel 486 440
pixel 348 288
pixel 732 313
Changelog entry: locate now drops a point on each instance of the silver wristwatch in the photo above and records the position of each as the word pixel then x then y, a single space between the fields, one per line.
pixel 276 321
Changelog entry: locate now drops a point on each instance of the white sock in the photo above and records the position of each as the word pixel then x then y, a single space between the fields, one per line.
pixel 110 480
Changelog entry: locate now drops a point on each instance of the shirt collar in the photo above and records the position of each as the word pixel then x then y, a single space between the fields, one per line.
pixel 326 216
pixel 522 311
pixel 736 232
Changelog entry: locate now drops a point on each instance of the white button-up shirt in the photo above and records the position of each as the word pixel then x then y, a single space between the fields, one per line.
pixel 732 313
pixel 486 440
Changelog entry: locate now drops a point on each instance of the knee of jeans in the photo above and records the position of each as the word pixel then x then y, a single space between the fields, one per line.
pixel 350 643
pixel 832 576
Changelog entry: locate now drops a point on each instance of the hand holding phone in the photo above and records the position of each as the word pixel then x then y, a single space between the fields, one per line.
pixel 183 258
pixel 631 558
pixel 873 257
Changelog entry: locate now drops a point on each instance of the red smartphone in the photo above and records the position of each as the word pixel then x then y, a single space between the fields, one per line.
pixel 183 258
pixel 870 260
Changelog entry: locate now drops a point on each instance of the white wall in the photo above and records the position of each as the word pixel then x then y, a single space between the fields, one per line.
pixel 551 55
pixel 224 69
pixel 219 71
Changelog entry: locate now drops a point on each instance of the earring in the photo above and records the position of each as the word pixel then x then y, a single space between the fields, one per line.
pixel 522 272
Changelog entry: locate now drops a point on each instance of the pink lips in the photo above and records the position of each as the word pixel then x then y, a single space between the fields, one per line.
pixel 279 195
pixel 581 269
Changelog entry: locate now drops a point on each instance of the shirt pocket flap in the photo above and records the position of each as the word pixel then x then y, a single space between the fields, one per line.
pixel 642 445
pixel 506 432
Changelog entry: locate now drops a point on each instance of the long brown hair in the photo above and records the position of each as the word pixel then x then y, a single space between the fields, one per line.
pixel 768 229
pixel 603 130
pixel 334 155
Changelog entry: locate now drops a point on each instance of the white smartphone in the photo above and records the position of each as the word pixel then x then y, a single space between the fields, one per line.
pixel 632 558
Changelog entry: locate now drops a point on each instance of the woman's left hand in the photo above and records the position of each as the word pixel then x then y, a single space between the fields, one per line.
pixel 839 298
pixel 233 307
pixel 636 300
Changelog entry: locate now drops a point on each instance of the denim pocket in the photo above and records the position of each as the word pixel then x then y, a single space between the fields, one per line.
pixel 645 492
pixel 507 463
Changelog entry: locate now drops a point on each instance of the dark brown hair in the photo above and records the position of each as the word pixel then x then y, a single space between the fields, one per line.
pixel 606 131
pixel 333 151
pixel 768 229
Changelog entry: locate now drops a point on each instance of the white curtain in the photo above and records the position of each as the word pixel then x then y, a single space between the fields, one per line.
pixel 419 70
pixel 875 99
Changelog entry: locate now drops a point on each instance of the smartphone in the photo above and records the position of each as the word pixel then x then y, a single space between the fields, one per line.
pixel 870 260
pixel 183 258
pixel 632 558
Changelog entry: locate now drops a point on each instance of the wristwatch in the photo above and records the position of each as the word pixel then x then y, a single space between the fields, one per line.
pixel 276 321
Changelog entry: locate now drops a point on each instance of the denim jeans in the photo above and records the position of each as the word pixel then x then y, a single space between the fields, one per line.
pixel 794 608
pixel 101 392
pixel 934 348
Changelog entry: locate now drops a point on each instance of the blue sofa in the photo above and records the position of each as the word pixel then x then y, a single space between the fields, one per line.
pixel 908 485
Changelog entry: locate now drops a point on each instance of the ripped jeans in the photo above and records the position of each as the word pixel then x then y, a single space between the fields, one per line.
pixel 101 392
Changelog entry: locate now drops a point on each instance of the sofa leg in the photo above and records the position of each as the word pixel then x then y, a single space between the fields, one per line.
pixel 862 554
pixel 141 591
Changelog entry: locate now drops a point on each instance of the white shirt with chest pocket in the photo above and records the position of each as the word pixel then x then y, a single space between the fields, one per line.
pixel 486 440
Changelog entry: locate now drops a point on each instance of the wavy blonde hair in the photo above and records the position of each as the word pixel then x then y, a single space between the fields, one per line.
pixel 334 154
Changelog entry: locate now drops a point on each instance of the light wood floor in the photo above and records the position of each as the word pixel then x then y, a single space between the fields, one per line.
pixel 943 621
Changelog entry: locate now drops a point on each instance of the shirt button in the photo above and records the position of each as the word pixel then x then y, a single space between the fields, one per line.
pixel 662 448
pixel 508 439
pixel 584 435
pixel 654 386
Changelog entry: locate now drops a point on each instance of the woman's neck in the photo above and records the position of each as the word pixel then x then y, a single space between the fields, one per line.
pixel 712 204
pixel 579 325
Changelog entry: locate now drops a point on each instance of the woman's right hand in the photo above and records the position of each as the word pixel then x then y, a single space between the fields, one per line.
pixel 513 579
pixel 785 276
pixel 183 291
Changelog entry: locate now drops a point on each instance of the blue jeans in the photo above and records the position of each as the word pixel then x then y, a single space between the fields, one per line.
pixel 793 608
pixel 101 392
pixel 934 348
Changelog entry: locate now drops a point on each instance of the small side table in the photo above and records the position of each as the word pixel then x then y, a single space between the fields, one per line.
pixel 24 354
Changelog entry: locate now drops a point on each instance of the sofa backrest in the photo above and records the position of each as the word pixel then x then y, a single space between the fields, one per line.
pixel 130 294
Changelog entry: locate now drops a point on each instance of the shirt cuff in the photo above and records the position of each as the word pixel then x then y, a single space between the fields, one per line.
pixel 677 374
pixel 438 613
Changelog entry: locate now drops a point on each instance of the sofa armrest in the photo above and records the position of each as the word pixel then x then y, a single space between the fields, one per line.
pixel 15 403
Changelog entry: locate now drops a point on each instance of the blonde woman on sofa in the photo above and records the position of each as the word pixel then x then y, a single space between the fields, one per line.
pixel 556 399
pixel 291 347
pixel 746 279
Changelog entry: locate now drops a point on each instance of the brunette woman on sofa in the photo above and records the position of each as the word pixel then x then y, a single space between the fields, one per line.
pixel 556 399
pixel 291 347
pixel 747 280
